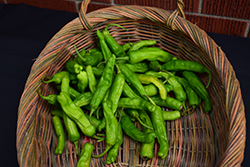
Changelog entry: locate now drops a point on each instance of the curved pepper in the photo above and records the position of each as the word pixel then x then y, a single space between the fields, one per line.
pixel 85 157
pixel 82 81
pixel 138 67
pixel 141 44
pixel 91 79
pixel 57 124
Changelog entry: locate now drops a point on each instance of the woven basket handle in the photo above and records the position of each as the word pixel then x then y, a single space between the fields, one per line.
pixel 170 21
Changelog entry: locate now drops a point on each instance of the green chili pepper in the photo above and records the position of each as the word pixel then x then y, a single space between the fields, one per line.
pixel 113 152
pixel 147 148
pixel 169 102
pixel 97 71
pixel 160 131
pixel 104 46
pixel 91 59
pixel 131 77
pixel 197 85
pixel 83 99
pixel 155 65
pixel 116 91
pixel 135 114
pixel 103 85
pixel 91 78
pixel 113 45
pixel 180 65
pixel 72 130
pixel 85 157
pixel 57 124
pixel 148 53
pixel 193 99
pixel 57 112
pixel 138 67
pixel 133 103
pixel 151 89
pixel 127 46
pixel 171 115
pixel 179 92
pixel 111 128
pixel 51 98
pixel 130 129
pixel 56 78
pixel 82 81
pixel 72 92
pixel 141 44
pixel 72 66
pixel 65 84
pixel 147 79
pixel 169 87
pixel 76 114
pixel 127 91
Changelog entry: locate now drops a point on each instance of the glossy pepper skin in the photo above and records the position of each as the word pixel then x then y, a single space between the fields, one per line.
pixel 103 45
pixel 72 92
pixel 131 77
pixel 134 103
pixel 111 128
pixel 171 115
pixel 103 85
pixel 116 91
pixel 151 90
pixel 150 54
pixel 148 79
pixel 58 127
pixel 130 129
pixel 141 44
pixel 72 131
pixel 72 66
pixel 82 81
pixel 138 67
pixel 197 85
pixel 113 152
pixel 83 99
pixel 147 148
pixel 85 157
pixel 97 71
pixel 181 65
pixel 76 114
pixel 113 45
pixel 160 131
pixel 56 78
pixel 51 99
pixel 128 92
pixel 169 102
pixel 193 99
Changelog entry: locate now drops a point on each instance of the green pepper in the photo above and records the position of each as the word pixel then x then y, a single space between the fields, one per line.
pixel 151 89
pixel 138 67
pixel 181 65
pixel 147 148
pixel 76 114
pixel 141 44
pixel 58 127
pixel 160 131
pixel 155 65
pixel 83 99
pixel 113 152
pixel 148 53
pixel 113 45
pixel 51 99
pixel 132 78
pixel 72 66
pixel 103 85
pixel 72 130
pixel 72 92
pixel 197 85
pixel 134 103
pixel 97 71
pixel 85 157
pixel 56 78
pixel 130 129
pixel 111 128
pixel 148 79
pixel 91 79
pixel 171 115
pixel 128 92
pixel 169 102
pixel 127 46
pixel 82 81
pixel 103 45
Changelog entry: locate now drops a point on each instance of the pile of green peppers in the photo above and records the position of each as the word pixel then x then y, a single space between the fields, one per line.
pixel 104 90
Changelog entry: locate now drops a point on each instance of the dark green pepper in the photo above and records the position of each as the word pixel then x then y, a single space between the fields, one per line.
pixel 82 81
pixel 138 67
pixel 155 65
pixel 72 66
pixel 85 157
pixel 83 99
pixel 58 127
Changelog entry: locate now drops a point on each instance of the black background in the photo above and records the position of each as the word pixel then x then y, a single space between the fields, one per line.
pixel 24 32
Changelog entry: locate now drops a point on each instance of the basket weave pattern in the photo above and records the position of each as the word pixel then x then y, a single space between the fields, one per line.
pixel 217 139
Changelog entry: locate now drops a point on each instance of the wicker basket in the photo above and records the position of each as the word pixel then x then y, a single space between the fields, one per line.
pixel 217 139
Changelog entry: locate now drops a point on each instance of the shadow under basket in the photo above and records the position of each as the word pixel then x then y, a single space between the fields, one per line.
pixel 200 139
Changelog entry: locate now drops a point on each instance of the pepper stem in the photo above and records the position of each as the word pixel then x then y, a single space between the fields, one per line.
pixel 78 54
pixel 143 123
pixel 102 154
pixel 117 25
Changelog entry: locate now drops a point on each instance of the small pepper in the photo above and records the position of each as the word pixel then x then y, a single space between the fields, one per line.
pixel 141 44
pixel 148 79
pixel 72 92
pixel 128 92
pixel 85 157
pixel 151 89
pixel 83 99
pixel 169 102
pixel 58 127
pixel 103 45
pixel 181 65
pixel 72 66
pixel 97 71
pixel 91 79
pixel 137 104
pixel 82 81
pixel 155 65
pixel 56 78
pixel 113 45
pixel 127 46
pixel 138 67
pixel 197 85
pixel 51 99
pixel 171 115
